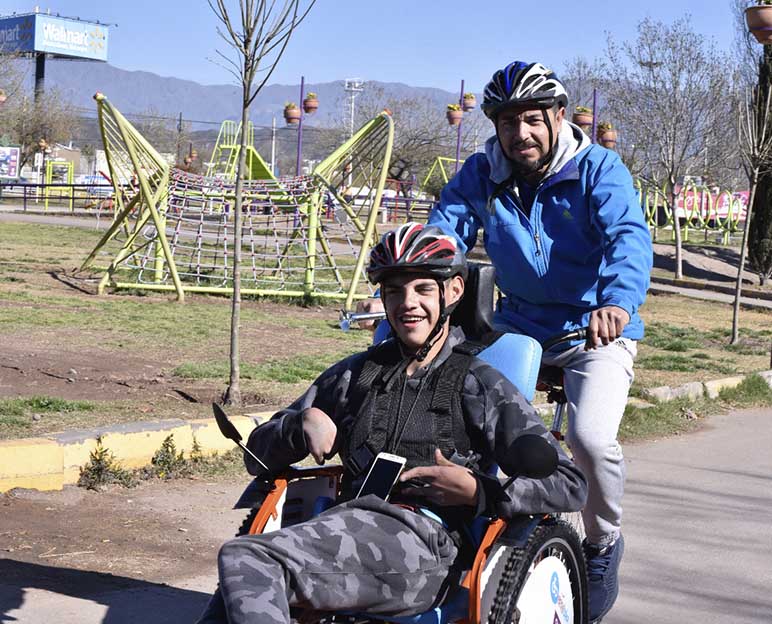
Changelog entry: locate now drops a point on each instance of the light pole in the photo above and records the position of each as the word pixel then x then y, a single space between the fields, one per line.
pixel 460 124
pixel 300 127
pixel 352 86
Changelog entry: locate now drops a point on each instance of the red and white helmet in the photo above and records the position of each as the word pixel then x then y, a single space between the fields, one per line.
pixel 417 248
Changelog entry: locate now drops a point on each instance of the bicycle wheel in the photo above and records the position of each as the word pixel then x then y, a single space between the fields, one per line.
pixel 543 582
pixel 574 518
pixel 247 524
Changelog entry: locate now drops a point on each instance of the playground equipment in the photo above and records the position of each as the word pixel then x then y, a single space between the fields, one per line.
pixel 61 171
pixel 225 154
pixel 438 169
pixel 305 236
pixel 699 208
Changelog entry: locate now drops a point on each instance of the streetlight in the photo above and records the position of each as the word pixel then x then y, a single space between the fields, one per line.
pixel 460 123
pixel 307 105
pixel 352 86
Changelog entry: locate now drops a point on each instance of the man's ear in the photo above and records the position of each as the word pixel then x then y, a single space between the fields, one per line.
pixel 454 290
pixel 559 115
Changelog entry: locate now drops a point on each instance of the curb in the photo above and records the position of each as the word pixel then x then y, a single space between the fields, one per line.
pixel 699 389
pixel 751 292
pixel 53 461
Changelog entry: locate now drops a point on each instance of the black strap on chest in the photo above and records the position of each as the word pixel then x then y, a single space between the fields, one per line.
pixel 376 398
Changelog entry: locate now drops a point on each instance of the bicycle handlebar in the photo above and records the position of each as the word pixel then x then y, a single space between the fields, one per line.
pixel 576 334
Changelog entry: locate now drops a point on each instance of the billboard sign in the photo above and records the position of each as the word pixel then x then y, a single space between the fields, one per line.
pixel 10 157
pixel 60 36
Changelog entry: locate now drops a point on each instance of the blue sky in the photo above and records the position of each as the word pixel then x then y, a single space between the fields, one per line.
pixel 428 43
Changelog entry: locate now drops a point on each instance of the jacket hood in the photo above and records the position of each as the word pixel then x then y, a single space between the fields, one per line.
pixel 571 141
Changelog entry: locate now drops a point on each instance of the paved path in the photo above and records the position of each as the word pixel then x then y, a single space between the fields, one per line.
pixel 698 532
pixel 709 295
pixel 698 526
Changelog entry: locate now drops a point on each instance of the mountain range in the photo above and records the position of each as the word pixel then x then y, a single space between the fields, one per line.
pixel 142 92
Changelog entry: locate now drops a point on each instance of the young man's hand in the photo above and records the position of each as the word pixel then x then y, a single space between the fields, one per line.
pixel 446 483
pixel 321 434
pixel 369 305
pixel 606 325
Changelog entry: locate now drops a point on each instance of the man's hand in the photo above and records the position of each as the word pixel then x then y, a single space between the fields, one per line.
pixel 321 434
pixel 606 325
pixel 447 483
pixel 369 305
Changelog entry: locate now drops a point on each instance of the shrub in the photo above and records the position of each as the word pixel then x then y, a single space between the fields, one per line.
pixel 103 469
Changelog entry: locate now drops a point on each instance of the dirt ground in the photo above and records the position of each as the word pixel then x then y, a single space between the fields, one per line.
pixel 159 531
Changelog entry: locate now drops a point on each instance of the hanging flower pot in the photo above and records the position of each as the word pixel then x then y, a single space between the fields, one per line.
pixel 606 135
pixel 582 117
pixel 454 114
pixel 310 103
pixel 470 101
pixel 291 113
pixel 759 20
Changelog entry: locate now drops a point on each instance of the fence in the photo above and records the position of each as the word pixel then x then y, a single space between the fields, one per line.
pixel 71 197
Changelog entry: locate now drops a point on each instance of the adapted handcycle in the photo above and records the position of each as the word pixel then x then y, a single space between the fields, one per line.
pixel 527 570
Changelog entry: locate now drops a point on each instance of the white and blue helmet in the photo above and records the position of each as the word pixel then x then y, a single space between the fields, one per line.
pixel 523 84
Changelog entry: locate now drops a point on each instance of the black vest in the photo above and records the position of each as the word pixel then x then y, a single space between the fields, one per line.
pixel 436 420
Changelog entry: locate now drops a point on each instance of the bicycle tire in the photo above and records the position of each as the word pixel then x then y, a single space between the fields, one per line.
pixel 553 539
pixel 576 521
pixel 247 523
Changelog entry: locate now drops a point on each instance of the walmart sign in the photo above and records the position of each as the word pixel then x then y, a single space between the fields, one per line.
pixel 60 36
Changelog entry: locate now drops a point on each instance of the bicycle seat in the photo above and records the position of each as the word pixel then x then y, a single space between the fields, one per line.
pixel 549 377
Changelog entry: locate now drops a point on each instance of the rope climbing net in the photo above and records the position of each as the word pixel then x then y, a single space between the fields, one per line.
pixel 301 236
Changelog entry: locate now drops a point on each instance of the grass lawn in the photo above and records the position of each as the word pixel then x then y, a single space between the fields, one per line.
pixel 72 359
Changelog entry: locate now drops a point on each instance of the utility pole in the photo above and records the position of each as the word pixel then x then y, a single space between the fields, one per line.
pixel 179 138
pixel 273 145
pixel 352 86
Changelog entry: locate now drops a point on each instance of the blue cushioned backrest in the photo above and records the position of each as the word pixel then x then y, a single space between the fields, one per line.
pixel 518 358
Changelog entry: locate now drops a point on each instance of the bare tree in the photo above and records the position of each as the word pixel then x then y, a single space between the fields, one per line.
pixel 259 34
pixel 423 133
pixel 669 90
pixel 25 121
pixel 581 77
pixel 755 139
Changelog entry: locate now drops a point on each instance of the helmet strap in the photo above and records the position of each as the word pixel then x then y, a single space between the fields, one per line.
pixel 439 326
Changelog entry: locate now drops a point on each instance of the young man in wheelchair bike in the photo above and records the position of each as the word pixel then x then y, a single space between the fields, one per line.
pixel 420 395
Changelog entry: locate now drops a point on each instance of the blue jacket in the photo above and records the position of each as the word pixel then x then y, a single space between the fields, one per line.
pixel 586 244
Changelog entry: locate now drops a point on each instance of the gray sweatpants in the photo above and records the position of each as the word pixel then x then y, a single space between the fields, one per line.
pixel 362 556
pixel 596 384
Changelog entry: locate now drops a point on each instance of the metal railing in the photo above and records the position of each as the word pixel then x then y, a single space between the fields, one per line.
pixel 71 197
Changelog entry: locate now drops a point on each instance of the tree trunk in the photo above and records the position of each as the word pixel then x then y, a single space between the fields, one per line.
pixel 233 393
pixel 741 268
pixel 759 228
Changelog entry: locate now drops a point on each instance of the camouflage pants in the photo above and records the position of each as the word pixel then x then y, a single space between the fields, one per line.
pixel 362 556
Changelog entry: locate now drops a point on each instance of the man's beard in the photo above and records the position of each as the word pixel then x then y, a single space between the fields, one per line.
pixel 525 169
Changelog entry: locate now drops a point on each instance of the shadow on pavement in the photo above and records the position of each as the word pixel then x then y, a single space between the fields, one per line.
pixel 127 600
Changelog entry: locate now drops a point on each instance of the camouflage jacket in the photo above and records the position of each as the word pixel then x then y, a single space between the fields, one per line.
pixel 495 413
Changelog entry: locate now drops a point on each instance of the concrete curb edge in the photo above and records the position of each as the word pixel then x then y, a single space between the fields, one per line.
pixel 53 461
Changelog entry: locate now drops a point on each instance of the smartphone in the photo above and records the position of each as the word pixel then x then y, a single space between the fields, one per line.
pixel 382 476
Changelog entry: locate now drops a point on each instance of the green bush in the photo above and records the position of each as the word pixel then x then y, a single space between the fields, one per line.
pixel 103 469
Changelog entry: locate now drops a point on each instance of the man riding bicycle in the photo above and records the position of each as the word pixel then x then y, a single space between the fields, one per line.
pixel 563 226
pixel 420 395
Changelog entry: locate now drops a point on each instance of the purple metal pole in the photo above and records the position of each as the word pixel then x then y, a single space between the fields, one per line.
pixel 460 123
pixel 594 114
pixel 300 127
